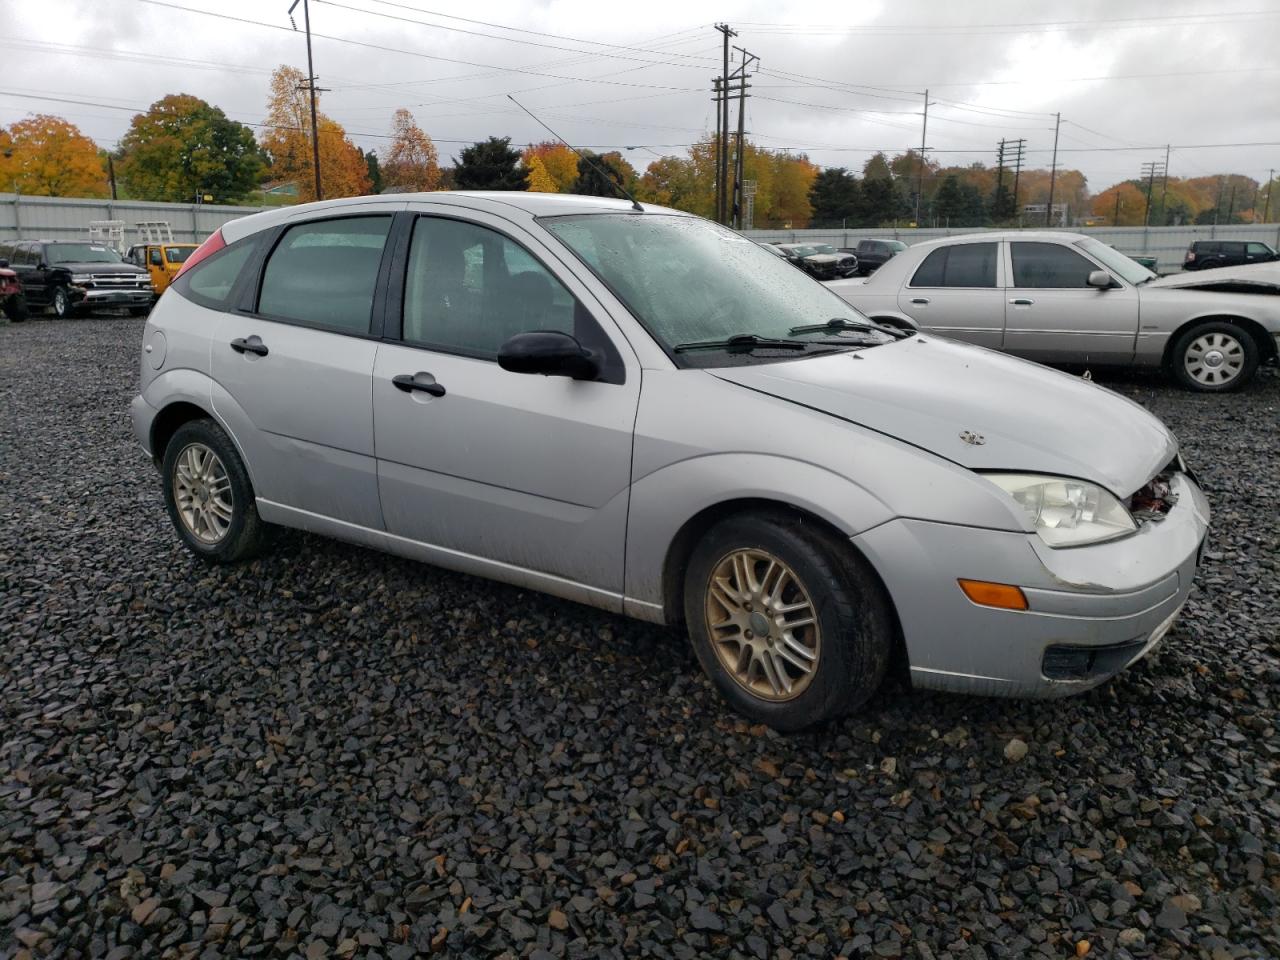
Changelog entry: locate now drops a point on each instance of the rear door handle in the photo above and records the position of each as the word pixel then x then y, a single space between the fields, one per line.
pixel 253 345
pixel 408 383
pixel 1021 302
pixel 920 300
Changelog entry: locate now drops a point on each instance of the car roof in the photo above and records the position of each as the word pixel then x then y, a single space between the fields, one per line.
pixel 494 201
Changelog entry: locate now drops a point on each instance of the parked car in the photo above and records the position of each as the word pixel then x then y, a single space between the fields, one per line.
pixel 641 410
pixel 162 261
pixel 820 260
pixel 12 303
pixel 1067 298
pixel 873 254
pixel 1210 254
pixel 69 276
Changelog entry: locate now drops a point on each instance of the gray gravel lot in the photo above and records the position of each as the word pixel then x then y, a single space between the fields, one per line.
pixel 329 752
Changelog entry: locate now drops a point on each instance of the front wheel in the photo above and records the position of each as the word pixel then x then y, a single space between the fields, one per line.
pixel 15 308
pixel 208 495
pixel 792 626
pixel 1214 357
pixel 61 303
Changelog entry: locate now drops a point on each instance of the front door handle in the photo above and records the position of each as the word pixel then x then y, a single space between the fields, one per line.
pixel 1021 302
pixel 923 301
pixel 407 382
pixel 253 345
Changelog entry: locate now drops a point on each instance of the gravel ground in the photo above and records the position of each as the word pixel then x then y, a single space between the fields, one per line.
pixel 329 752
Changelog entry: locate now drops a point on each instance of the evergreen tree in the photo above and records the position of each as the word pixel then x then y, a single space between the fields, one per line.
pixel 835 197
pixel 375 172
pixel 491 165
pixel 599 176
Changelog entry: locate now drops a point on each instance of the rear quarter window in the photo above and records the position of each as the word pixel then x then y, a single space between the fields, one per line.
pixel 212 281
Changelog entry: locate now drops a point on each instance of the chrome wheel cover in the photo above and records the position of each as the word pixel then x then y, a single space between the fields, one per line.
pixel 762 624
pixel 1214 359
pixel 61 305
pixel 202 493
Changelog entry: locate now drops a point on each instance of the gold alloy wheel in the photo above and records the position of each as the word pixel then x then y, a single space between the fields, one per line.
pixel 762 624
pixel 202 492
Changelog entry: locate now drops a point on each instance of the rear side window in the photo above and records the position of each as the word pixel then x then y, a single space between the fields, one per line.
pixel 1049 266
pixel 323 273
pixel 210 282
pixel 962 265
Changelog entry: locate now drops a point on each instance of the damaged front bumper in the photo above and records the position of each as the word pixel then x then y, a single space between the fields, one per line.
pixel 1091 611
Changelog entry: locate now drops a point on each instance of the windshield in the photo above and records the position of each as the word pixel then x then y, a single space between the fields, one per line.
pixel 690 280
pixel 823 248
pixel 81 253
pixel 897 245
pixel 1115 261
pixel 178 254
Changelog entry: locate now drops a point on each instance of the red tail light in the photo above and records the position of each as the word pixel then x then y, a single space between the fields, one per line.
pixel 206 249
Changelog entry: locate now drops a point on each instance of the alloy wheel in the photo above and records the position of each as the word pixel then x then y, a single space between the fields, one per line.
pixel 763 624
pixel 61 305
pixel 202 493
pixel 1214 359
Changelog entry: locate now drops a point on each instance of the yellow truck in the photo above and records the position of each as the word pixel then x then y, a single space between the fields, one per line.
pixel 161 260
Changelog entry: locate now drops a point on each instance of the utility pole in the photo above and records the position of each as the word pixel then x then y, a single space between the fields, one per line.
pixel 311 85
pixel 1266 204
pixel 748 59
pixel 998 204
pixel 716 85
pixel 1149 171
pixel 1053 171
pixel 1115 217
pixel 111 175
pixel 924 133
pixel 1164 190
pixel 1019 149
pixel 722 199
pixel 1231 203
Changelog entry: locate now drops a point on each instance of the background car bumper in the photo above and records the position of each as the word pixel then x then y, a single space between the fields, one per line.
pixel 1093 610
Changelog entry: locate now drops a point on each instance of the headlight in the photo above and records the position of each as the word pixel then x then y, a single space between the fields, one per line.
pixel 81 278
pixel 1066 513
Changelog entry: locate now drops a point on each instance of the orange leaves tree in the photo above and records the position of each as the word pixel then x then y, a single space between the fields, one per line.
pixel 49 157
pixel 1121 206
pixel 287 142
pixel 556 168
pixel 411 162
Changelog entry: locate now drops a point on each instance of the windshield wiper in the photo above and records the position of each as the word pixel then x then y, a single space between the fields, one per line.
pixel 840 323
pixel 743 342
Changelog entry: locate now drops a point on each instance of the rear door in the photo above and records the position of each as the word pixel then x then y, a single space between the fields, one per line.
pixel 955 292
pixel 27 259
pixel 295 365
pixel 1054 315
pixel 528 472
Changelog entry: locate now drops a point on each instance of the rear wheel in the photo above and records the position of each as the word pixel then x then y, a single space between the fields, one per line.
pixel 1214 357
pixel 15 308
pixel 208 495
pixel 791 626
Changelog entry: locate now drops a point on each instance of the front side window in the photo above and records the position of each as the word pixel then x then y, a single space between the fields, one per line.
pixel 1049 266
pixel 1259 250
pixel 323 273
pixel 156 258
pixel 959 265
pixel 469 289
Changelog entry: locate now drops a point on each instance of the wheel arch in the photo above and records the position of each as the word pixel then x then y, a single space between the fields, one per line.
pixel 1255 330
pixel 894 318
pixel 166 423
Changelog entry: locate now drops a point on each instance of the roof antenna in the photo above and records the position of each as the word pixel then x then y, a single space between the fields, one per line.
pixel 635 204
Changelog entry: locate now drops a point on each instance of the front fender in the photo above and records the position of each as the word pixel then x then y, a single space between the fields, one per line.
pixel 664 501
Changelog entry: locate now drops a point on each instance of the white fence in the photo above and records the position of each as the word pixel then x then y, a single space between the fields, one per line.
pixel 63 218
pixel 1166 244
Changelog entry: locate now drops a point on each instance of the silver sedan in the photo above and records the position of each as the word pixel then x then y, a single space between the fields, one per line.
pixel 1060 297
pixel 637 409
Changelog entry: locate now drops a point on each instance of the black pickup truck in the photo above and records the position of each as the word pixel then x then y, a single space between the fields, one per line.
pixel 76 275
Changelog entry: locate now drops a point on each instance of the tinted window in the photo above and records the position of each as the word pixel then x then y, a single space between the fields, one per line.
pixel 961 265
pixel 1259 249
pixel 1202 247
pixel 1049 265
pixel 1233 249
pixel 211 281
pixel 323 273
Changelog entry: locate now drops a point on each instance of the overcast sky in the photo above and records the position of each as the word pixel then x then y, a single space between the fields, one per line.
pixel 836 81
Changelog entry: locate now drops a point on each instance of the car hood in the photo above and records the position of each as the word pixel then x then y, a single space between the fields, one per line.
pixel 92 267
pixel 827 257
pixel 1266 275
pixel 934 393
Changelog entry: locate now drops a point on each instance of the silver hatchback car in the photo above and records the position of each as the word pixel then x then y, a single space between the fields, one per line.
pixel 640 410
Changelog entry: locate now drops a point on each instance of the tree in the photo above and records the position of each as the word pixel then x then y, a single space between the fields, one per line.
pixel 491 165
pixel 183 146
pixel 540 181
pixel 879 202
pixel 834 197
pixel 412 162
pixel 50 157
pixel 1120 206
pixel 787 200
pixel 287 141
pixel 372 170
pixel 594 179
pixel 558 161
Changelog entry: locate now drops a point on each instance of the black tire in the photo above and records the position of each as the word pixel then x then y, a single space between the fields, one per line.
pixel 246 534
pixel 853 613
pixel 61 303
pixel 139 311
pixel 15 308
pixel 1248 353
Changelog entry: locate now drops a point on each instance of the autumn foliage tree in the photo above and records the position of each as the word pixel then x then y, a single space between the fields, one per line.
pixel 411 162
pixel 557 167
pixel 287 142
pixel 183 146
pixel 1120 206
pixel 49 157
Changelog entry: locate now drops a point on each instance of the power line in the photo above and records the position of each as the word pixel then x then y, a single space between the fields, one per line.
pixel 1032 26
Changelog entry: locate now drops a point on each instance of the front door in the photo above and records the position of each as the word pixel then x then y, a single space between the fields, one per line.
pixel 1053 315
pixel 295 374
pixel 955 292
pixel 523 471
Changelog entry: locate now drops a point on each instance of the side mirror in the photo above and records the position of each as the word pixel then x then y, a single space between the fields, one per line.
pixel 549 352
pixel 42 265
pixel 1100 279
